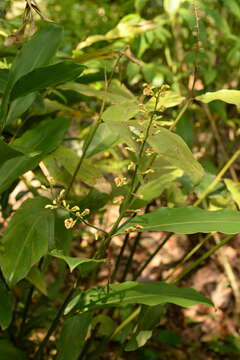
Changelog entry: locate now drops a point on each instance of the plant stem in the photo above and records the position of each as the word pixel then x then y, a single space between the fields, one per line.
pixel 120 257
pixel 54 325
pixel 25 312
pixel 189 255
pixel 217 136
pixel 181 113
pixel 125 322
pixel 130 258
pixel 130 194
pixel 202 258
pixel 217 178
pixel 152 256
pixel 94 129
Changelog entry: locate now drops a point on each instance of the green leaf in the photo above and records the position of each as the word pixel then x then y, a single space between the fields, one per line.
pixel 27 238
pixel 35 277
pixel 35 144
pixel 131 292
pixel 186 220
pixel 147 320
pixel 7 152
pixel 6 306
pixel 117 93
pixel 48 76
pixel 172 6
pixel 73 336
pixel 234 189
pixel 130 26
pixel 104 139
pixel 35 53
pixel 116 117
pixel 3 79
pixel 15 167
pixel 233 6
pixel 10 352
pixel 73 262
pixel 19 106
pixel 170 99
pixel 43 138
pixel 62 163
pixel 228 96
pixel 174 150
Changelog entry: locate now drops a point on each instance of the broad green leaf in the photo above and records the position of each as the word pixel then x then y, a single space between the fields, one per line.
pixel 170 99
pixel 35 277
pixel 35 53
pixel 186 220
pixel 105 325
pixel 27 238
pixel 131 292
pixel 10 352
pixel 149 317
pixel 129 26
pixel 35 144
pixel 174 150
pixel 120 112
pixel 234 7
pixel 7 152
pixel 234 189
pixel 12 168
pixel 44 77
pixel 6 306
pixel 43 138
pixel 73 262
pixel 62 163
pixel 73 336
pixel 4 73
pixel 228 96
pixel 140 4
pixel 19 106
pixel 172 6
pixel 117 93
pixel 116 117
pixel 153 188
pixel 104 139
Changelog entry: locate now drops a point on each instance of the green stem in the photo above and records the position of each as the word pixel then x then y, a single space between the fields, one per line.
pixel 130 194
pixel 152 256
pixel 130 258
pixel 181 113
pixel 119 258
pixel 202 258
pixel 217 178
pixel 94 130
pixel 189 255
pixel 125 322
pixel 54 325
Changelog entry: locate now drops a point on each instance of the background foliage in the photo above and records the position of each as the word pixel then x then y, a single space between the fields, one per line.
pixel 119 125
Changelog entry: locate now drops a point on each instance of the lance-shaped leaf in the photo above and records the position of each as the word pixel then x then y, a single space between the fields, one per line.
pixel 27 238
pixel 73 262
pixel 228 96
pixel 185 220
pixel 174 150
pixel 47 76
pixel 32 147
pixel 7 152
pixel 35 53
pixel 6 306
pixel 131 292
pixel 149 317
pixel 73 336
pixel 10 352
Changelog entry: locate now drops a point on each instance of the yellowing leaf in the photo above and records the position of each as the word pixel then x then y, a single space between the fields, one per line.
pixel 228 96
